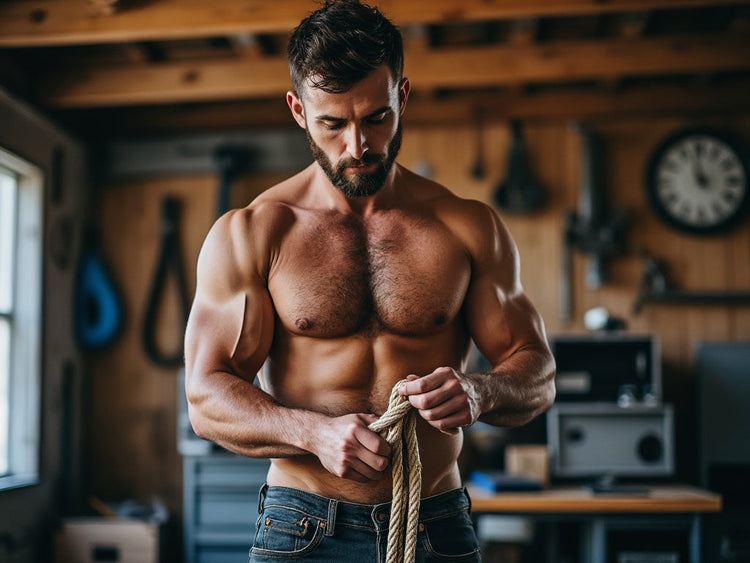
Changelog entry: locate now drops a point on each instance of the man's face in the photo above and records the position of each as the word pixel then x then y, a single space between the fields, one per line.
pixel 354 136
pixel 358 184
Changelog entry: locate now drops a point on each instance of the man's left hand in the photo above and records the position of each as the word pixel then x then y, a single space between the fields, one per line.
pixel 445 398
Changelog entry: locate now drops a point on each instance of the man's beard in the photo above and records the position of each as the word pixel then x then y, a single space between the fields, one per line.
pixel 363 184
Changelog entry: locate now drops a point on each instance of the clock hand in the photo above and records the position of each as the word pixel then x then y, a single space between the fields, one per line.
pixel 701 178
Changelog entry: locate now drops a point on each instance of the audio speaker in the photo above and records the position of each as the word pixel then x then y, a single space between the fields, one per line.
pixel 595 439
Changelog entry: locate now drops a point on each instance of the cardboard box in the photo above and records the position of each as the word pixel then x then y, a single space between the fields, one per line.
pixel 118 540
pixel 528 460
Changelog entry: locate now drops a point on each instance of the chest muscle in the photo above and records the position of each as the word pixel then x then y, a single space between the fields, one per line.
pixel 339 277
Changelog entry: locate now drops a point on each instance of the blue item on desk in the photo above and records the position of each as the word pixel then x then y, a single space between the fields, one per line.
pixel 497 481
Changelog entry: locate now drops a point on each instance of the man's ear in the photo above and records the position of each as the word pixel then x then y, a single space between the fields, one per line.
pixel 297 109
pixel 403 94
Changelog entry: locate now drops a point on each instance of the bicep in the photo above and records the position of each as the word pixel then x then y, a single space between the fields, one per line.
pixel 500 323
pixel 231 321
pixel 501 317
pixel 233 335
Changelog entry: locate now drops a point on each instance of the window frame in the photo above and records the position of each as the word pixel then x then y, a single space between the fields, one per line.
pixel 26 328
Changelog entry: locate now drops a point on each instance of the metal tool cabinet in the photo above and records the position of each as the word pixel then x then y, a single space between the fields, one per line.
pixel 220 506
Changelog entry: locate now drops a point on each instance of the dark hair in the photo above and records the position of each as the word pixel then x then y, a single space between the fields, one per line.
pixel 340 44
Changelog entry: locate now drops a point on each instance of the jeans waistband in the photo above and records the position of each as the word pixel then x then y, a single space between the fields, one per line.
pixel 334 511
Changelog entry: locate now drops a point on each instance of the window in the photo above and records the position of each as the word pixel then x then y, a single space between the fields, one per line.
pixel 20 319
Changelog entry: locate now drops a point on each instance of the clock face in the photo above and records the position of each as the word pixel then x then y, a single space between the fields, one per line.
pixel 698 181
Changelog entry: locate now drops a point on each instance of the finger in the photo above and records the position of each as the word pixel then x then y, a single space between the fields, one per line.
pixel 352 472
pixel 356 462
pixel 362 472
pixel 363 462
pixel 404 388
pixel 415 385
pixel 452 406
pixel 372 441
pixel 371 463
pixel 445 392
pixel 368 418
pixel 451 424
pixel 441 374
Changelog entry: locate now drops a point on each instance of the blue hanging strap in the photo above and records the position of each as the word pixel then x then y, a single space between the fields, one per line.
pixel 98 309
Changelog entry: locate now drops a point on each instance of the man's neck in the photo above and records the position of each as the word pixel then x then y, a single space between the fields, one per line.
pixel 362 206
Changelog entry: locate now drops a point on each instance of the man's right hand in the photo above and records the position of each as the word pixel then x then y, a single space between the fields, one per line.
pixel 348 448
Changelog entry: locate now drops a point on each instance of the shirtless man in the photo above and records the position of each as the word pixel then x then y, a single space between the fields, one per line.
pixel 345 279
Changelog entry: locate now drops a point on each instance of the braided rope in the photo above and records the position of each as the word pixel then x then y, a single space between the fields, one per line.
pixel 398 427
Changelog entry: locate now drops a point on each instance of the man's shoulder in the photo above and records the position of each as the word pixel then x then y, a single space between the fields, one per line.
pixel 275 208
pixel 279 202
pixel 458 212
pixel 251 231
pixel 443 200
pixel 474 222
pixel 255 222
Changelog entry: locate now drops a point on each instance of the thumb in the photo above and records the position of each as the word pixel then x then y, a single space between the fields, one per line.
pixel 368 418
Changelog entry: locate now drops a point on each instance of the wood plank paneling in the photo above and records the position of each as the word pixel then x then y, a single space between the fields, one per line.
pixel 133 410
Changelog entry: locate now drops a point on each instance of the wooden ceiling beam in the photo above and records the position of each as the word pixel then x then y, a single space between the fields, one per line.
pixel 582 103
pixel 247 45
pixel 36 23
pixel 475 67
pixel 632 26
pixel 571 61
pixel 524 31
pixel 461 109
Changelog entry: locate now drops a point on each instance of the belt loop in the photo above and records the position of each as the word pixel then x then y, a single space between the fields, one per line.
pixel 331 524
pixel 262 497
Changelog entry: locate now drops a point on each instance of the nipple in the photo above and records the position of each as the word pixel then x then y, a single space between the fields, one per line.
pixel 303 323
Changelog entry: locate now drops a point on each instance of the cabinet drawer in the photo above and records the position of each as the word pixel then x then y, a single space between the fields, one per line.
pixel 230 472
pixel 231 509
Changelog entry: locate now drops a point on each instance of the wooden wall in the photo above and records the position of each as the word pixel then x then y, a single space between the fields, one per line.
pixel 133 402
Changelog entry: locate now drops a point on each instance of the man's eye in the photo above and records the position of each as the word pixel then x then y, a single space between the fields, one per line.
pixel 376 119
pixel 333 125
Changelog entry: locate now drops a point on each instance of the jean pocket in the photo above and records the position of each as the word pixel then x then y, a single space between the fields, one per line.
pixel 450 538
pixel 286 533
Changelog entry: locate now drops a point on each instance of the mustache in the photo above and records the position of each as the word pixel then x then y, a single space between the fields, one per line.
pixel 367 159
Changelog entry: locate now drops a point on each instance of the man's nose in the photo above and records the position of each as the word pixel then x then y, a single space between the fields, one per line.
pixel 356 144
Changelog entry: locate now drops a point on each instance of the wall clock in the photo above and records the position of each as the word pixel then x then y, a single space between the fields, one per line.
pixel 697 181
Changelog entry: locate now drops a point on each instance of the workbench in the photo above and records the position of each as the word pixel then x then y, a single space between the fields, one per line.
pixel 661 507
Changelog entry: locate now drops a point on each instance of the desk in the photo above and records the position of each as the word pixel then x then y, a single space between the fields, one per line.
pixel 663 505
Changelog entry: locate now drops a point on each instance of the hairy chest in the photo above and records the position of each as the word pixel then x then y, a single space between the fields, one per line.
pixel 338 276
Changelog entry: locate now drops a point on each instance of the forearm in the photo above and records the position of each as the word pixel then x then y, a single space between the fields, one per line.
pixel 242 418
pixel 517 389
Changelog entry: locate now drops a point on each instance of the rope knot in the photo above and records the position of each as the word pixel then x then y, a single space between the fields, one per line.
pixel 397 426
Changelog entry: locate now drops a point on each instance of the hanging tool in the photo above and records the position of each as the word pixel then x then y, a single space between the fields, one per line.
pixel 230 161
pixel 169 260
pixel 98 317
pixel 478 171
pixel 595 230
pixel 98 310
pixel 518 192
pixel 655 289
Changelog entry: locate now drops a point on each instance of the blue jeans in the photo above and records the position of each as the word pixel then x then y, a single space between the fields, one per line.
pixel 295 524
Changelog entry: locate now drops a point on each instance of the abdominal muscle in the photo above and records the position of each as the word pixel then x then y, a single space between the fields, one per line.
pixel 356 375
